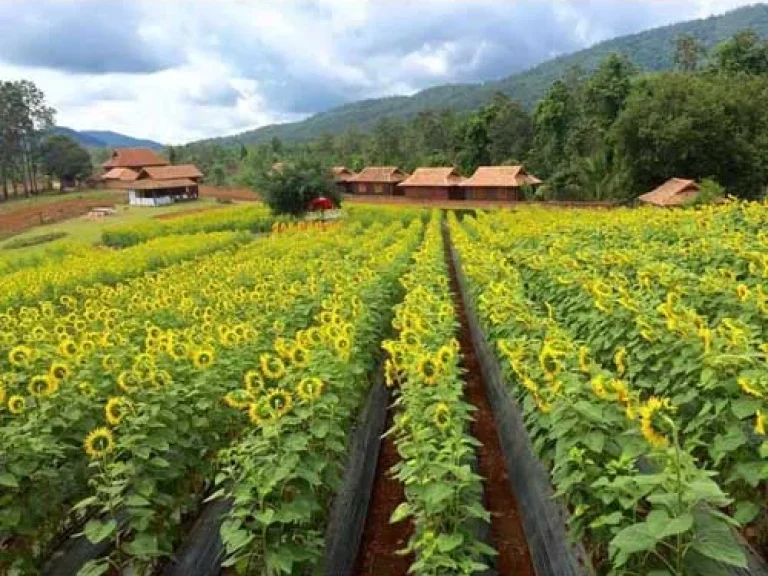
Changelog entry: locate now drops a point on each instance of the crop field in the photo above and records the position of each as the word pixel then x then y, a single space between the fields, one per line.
pixel 401 391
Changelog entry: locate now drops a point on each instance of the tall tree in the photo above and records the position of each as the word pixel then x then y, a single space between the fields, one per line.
pixel 65 159
pixel 553 119
pixel 688 52
pixel 744 53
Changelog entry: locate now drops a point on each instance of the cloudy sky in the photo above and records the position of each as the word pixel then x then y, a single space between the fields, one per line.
pixel 176 70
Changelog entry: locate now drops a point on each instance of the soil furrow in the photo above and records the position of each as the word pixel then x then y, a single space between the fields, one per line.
pixel 507 535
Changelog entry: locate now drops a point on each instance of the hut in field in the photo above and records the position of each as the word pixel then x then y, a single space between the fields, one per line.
pixel 124 165
pixel 674 192
pixel 498 183
pixel 342 175
pixel 378 181
pixel 433 184
pixel 162 185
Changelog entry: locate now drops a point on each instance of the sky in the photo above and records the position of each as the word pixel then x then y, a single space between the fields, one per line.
pixel 177 71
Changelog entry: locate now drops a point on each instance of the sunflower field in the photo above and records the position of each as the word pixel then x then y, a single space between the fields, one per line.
pixel 634 342
pixel 225 361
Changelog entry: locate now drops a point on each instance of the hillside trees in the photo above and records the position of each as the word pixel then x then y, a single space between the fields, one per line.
pixel 65 159
pixel 24 116
pixel 688 53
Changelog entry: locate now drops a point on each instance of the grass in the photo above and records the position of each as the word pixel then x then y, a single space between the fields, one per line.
pixel 16 243
pixel 89 231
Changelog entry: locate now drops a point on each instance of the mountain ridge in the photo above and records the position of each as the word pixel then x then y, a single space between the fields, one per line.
pixel 651 50
pixel 106 139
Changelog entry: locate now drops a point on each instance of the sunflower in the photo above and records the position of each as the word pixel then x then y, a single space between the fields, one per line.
pixel 342 345
pixel 548 360
pixel 742 291
pixel 619 359
pixel 42 385
pixel 68 348
pixel 300 356
pixel 310 388
pixel 239 399
pixel 314 336
pixel 109 362
pixel 706 337
pixel 115 409
pixel 19 356
pixel 391 373
pixel 410 338
pixel 280 401
pixel 99 443
pixel 260 412
pixel 272 366
pixel 598 386
pixel 17 404
pixel 128 381
pixel 59 371
pixel 759 423
pixel 584 359
pixel 254 381
pixel 621 390
pixel 746 385
pixel 647 412
pixel 203 358
pixel 161 378
pixel 2 393
pixel 86 389
pixel 429 369
pixel 278 326
pixel 445 355
pixel 442 416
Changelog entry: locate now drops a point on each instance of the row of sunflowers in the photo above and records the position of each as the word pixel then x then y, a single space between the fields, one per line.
pixel 642 389
pixel 443 492
pixel 56 277
pixel 254 218
pixel 57 250
pixel 297 406
pixel 116 397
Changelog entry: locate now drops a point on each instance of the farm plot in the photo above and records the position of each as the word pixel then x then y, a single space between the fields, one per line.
pixel 634 343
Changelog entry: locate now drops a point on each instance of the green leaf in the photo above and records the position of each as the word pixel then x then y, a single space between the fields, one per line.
pixel 595 441
pixel 448 542
pixel 401 513
pixel 745 407
pixel 9 480
pixel 94 568
pixel 136 501
pixel 96 530
pixel 678 525
pixel 715 539
pixel 612 519
pixel 143 546
pixel 631 540
pixel 746 511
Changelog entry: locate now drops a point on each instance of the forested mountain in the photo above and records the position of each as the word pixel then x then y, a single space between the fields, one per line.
pixel 651 50
pixel 106 139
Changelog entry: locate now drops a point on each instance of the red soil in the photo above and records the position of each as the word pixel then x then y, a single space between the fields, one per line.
pixel 507 535
pixel 225 193
pixel 381 540
pixel 16 220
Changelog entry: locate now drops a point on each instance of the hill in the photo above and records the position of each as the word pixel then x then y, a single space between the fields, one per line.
pixel 651 50
pixel 106 139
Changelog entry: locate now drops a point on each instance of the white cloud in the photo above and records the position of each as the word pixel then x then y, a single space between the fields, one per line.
pixel 179 71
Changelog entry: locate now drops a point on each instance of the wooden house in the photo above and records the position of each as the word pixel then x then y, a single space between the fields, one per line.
pixel 342 175
pixel 162 185
pixel 124 165
pixel 498 183
pixel 674 192
pixel 433 184
pixel 378 181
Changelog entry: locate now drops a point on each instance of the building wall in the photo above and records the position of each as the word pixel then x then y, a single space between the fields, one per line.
pixel 374 189
pixel 426 192
pixel 502 193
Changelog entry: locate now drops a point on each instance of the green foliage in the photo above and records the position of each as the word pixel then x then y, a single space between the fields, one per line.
pixel 290 190
pixel 710 192
pixel 744 53
pixel 688 52
pixel 65 159
pixel 33 240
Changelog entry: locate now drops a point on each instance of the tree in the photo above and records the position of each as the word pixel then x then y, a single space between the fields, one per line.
pixel 290 190
pixel 688 52
pixel 607 89
pixel 693 126
pixel 65 159
pixel 277 145
pixel 173 155
pixel 744 53
pixel 243 152
pixel 510 130
pixel 553 119
pixel 218 175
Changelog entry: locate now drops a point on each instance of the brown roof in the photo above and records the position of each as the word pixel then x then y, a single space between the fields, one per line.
pixel 342 173
pixel 123 174
pixel 432 177
pixel 134 158
pixel 172 172
pixel 500 177
pixel 385 174
pixel 673 192
pixel 150 184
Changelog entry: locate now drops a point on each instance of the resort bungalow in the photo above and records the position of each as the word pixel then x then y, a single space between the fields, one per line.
pixel 162 185
pixel 498 183
pixel 124 165
pixel 342 175
pixel 378 181
pixel 433 184
pixel 674 192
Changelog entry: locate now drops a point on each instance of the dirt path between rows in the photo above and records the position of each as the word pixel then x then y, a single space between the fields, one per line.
pixel 507 535
pixel 381 540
